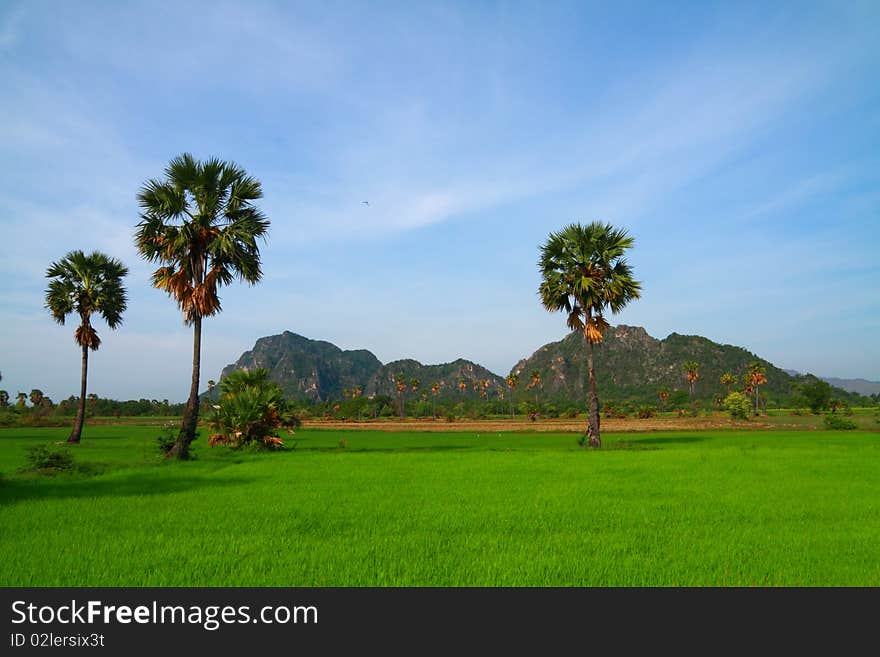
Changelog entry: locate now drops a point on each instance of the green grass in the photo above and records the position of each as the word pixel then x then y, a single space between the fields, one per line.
pixel 710 508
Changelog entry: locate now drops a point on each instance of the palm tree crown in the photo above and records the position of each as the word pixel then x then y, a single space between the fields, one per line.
pixel 87 284
pixel 201 225
pixel 584 273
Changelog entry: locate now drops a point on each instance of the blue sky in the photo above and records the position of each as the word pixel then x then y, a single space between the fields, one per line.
pixel 737 142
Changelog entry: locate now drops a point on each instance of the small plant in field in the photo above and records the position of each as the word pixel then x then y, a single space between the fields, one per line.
pixel 166 438
pixel 343 443
pixel 738 405
pixel 838 423
pixel 251 412
pixel 647 412
pixel 48 459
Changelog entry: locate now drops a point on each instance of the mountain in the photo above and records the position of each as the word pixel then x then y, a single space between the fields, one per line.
pixel 629 363
pixel 858 386
pixel 315 370
pixel 447 375
pixel 309 369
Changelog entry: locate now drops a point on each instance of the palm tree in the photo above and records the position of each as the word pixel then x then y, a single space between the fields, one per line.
pixel 400 382
pixel 690 369
pixel 534 383
pixel 36 397
pixel 728 380
pixel 201 226
pixel 435 390
pixel 585 274
pixel 86 284
pixel 757 376
pixel 663 394
pixel 511 382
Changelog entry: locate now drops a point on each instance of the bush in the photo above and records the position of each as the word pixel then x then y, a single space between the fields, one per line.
pixel 166 439
pixel 838 423
pixel 647 412
pixel 48 459
pixel 738 405
pixel 251 411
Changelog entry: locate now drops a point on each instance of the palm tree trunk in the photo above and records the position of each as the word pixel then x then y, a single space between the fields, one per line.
pixel 593 426
pixel 76 434
pixel 191 414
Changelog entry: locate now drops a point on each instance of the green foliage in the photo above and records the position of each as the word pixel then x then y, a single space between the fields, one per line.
pixel 48 459
pixel 646 412
pixel 816 394
pixel 738 405
pixel 837 423
pixel 251 412
pixel 168 436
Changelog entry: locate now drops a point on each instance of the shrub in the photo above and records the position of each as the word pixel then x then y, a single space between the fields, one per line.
pixel 738 405
pixel 166 439
pixel 251 412
pixel 838 423
pixel 647 412
pixel 48 459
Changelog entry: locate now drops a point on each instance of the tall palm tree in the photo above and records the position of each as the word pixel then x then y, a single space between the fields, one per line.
pixel 85 285
pixel 585 274
pixel 534 383
pixel 435 390
pixel 400 382
pixel 757 376
pixel 511 381
pixel 201 225
pixel 691 372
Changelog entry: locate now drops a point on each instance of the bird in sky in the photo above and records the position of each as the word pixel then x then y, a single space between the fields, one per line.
pixel 365 202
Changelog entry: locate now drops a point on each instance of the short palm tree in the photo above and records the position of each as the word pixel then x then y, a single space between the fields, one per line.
pixel 728 380
pixel 85 285
pixel 585 274
pixel 201 225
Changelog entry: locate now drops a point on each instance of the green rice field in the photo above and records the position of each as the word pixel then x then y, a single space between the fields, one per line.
pixel 716 508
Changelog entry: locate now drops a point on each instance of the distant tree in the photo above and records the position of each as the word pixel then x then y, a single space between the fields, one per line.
pixel 756 376
pixel 584 273
pixel 728 380
pixel 201 226
pixel 691 372
pixel 663 394
pixel 400 382
pixel 36 397
pixel 816 393
pixel 535 383
pixel 21 400
pixel 435 390
pixel 4 399
pixel 86 285
pixel 511 381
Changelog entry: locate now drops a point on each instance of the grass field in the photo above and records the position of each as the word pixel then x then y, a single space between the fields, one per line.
pixel 458 508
